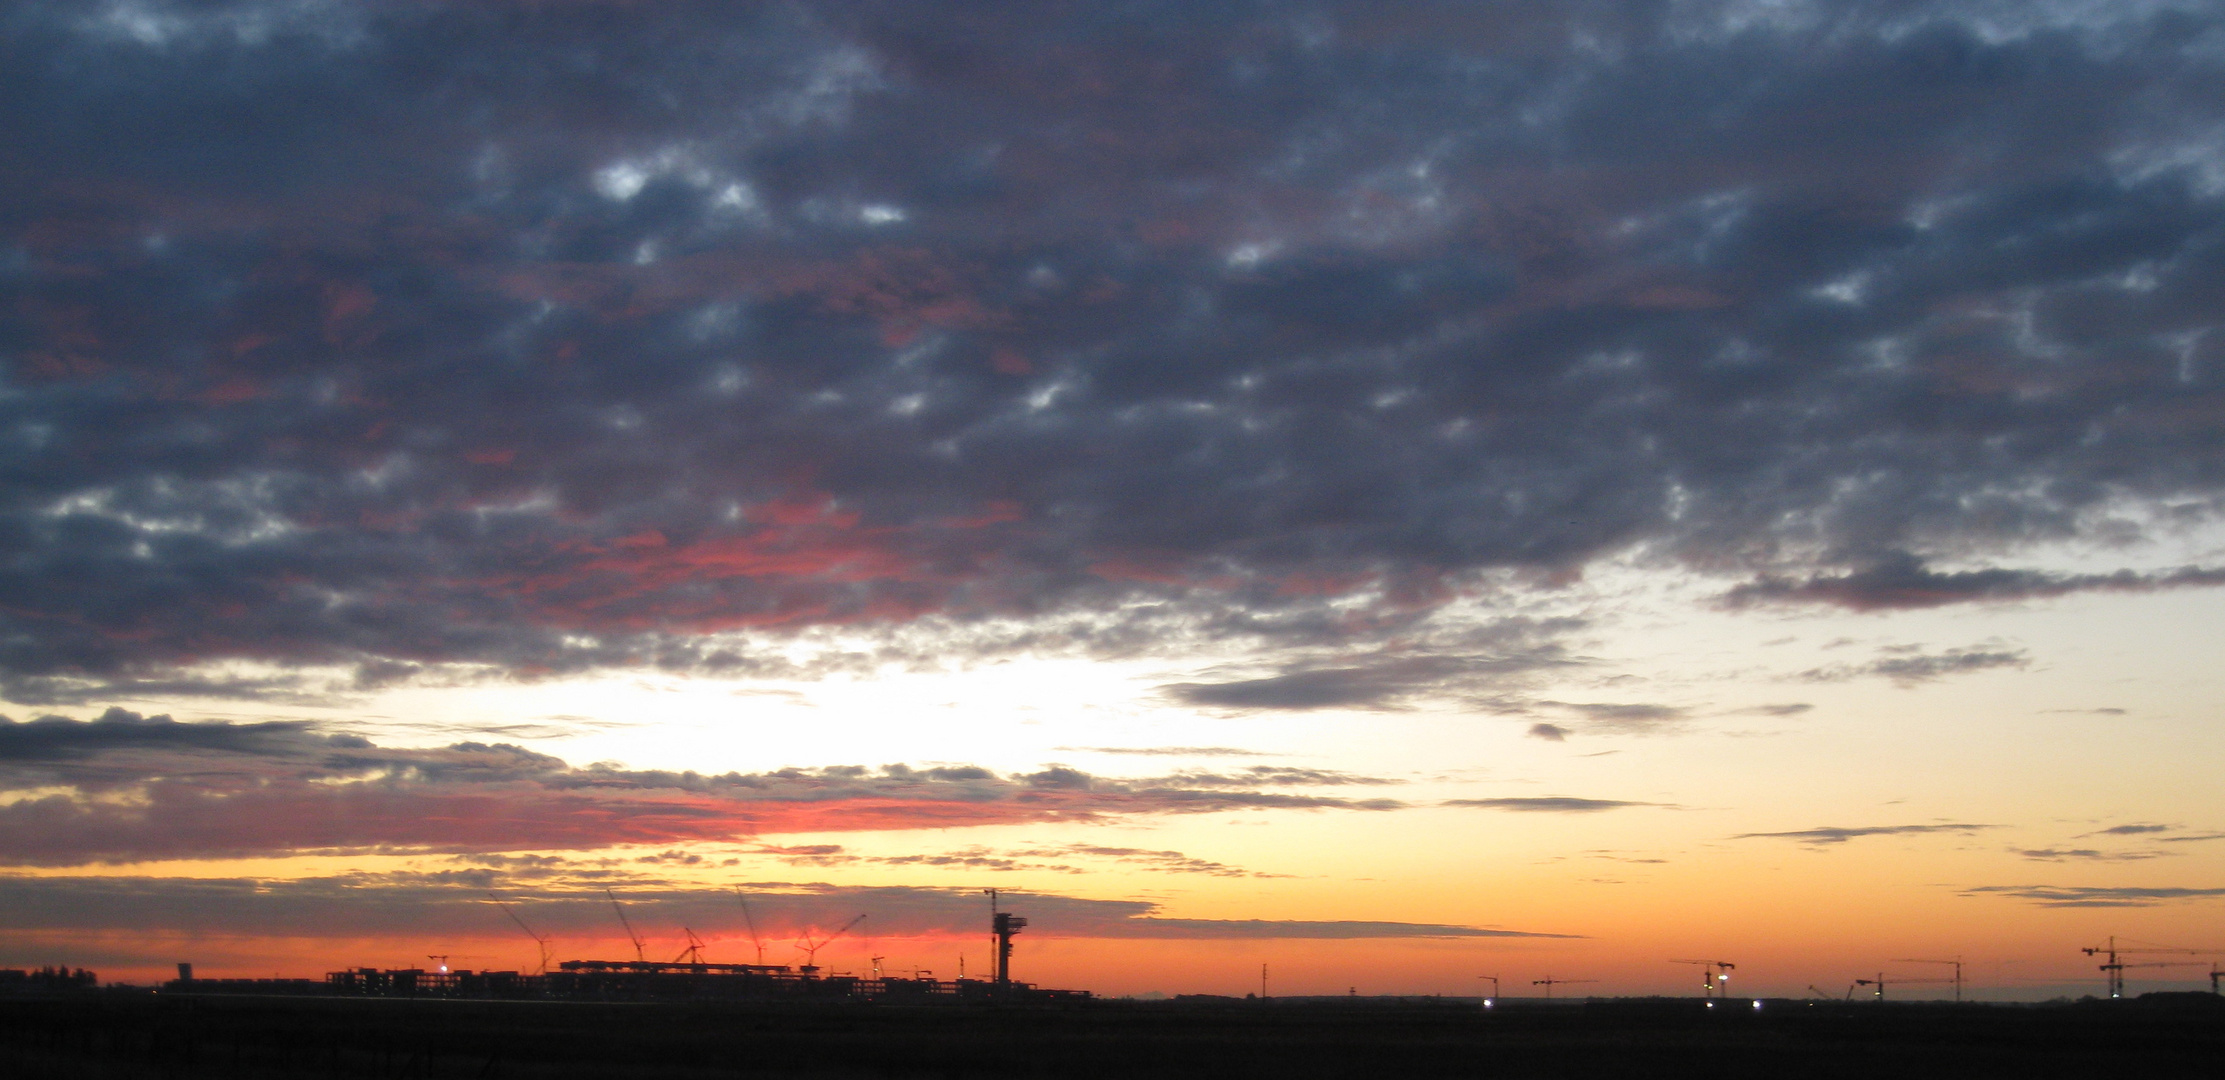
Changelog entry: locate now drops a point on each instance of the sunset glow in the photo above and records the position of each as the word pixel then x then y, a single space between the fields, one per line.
pixel 1396 493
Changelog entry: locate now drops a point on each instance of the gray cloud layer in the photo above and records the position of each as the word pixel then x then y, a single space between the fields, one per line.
pixel 1828 835
pixel 444 903
pixel 125 788
pixel 547 336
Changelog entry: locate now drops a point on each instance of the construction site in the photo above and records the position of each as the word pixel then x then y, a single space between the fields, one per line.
pixel 687 977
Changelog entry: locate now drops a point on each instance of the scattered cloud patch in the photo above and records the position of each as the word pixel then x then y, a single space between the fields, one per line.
pixel 2086 855
pixel 1548 804
pixel 1918 667
pixel 123 788
pixel 1904 582
pixel 1829 835
pixel 2074 896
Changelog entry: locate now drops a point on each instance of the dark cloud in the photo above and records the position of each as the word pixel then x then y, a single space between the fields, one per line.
pixel 1548 732
pixel 1551 804
pixel 123 788
pixel 1827 835
pixel 60 738
pixel 1624 717
pixel 451 904
pixel 1903 581
pixel 2135 830
pixel 1792 709
pixel 385 336
pixel 1380 683
pixel 2086 855
pixel 2075 896
pixel 1166 751
pixel 1912 667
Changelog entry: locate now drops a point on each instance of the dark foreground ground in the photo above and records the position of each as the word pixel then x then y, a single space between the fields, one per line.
pixel 97 1035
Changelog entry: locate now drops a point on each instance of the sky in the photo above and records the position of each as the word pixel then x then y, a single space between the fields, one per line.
pixel 1402 494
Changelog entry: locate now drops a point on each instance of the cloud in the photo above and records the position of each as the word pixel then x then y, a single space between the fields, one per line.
pixel 1166 751
pixel 59 738
pixel 2086 854
pixel 1828 835
pixel 457 903
pixel 1902 581
pixel 1792 709
pixel 122 789
pixel 1379 683
pixel 1548 732
pixel 1625 718
pixel 1919 667
pixel 2073 896
pixel 1551 804
pixel 457 356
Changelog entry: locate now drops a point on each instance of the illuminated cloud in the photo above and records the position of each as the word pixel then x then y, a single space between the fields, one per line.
pixel 122 788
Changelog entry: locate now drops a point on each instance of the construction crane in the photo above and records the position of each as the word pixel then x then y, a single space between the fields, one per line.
pixel 639 956
pixel 1819 991
pixel 752 921
pixel 2114 968
pixel 1713 973
pixel 2180 963
pixel 1878 982
pixel 811 947
pixel 1957 962
pixel 693 954
pixel 1550 982
pixel 1494 989
pixel 442 957
pixel 539 939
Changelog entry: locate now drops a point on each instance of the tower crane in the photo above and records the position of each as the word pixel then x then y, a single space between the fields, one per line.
pixel 2114 968
pixel 1494 989
pixel 639 956
pixel 539 939
pixel 752 921
pixel 811 947
pixel 1713 974
pixel 693 954
pixel 1550 982
pixel 1957 962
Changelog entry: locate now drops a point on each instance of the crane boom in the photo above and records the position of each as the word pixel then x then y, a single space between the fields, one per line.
pixel 639 956
pixel 811 946
pixel 752 921
pixel 1713 974
pixel 1957 962
pixel 539 939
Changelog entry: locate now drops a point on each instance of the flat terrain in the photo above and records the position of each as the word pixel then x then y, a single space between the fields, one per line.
pixel 143 1035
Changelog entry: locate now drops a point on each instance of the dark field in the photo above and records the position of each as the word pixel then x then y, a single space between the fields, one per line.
pixel 102 1035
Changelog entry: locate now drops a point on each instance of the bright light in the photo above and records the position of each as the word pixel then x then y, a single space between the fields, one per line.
pixel 1710 1004
pixel 1487 1003
pixel 1757 1003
